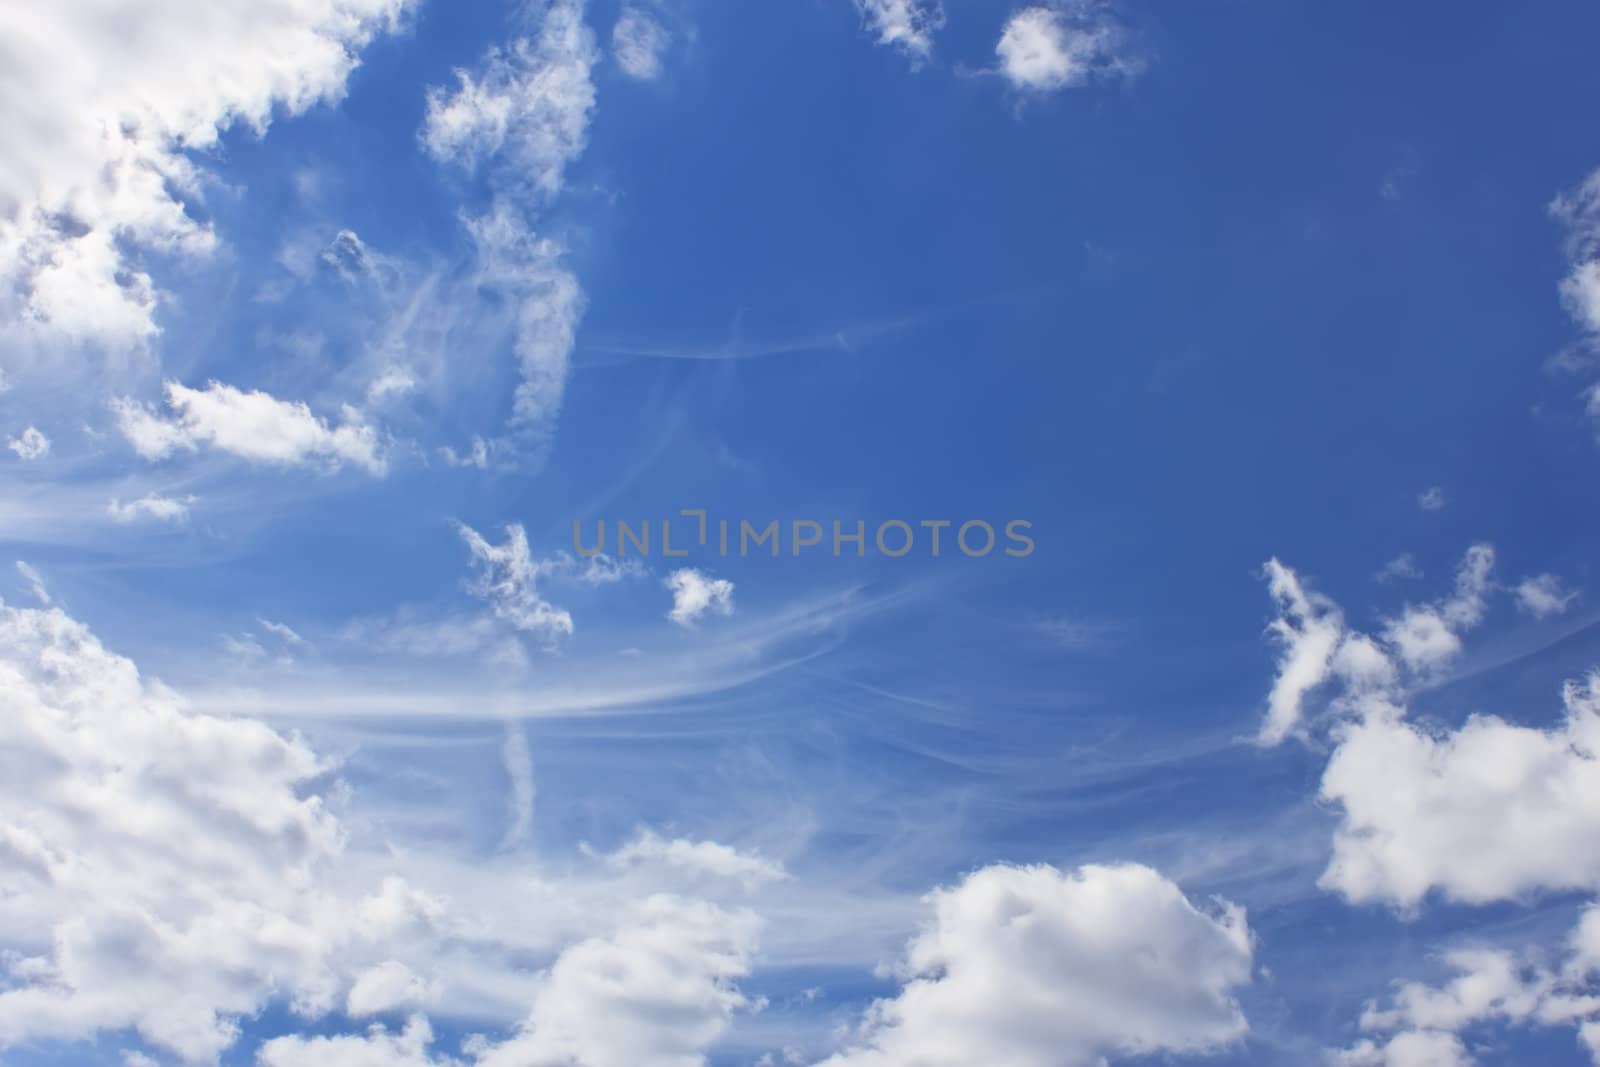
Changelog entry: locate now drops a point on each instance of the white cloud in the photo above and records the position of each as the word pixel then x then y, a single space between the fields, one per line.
pixel 705 857
pixel 695 593
pixel 389 986
pixel 1431 499
pixel 908 25
pixel 518 762
pixel 35 581
pixel 509 582
pixel 529 107
pixel 1043 49
pixel 150 506
pixel 1487 812
pixel 1402 566
pixel 1579 210
pixel 656 992
pixel 525 116
pixel 1429 636
pixel 30 444
pixel 104 116
pixel 1543 596
pixel 638 40
pixel 253 426
pixel 1423 1024
pixel 379 1048
pixel 1033 967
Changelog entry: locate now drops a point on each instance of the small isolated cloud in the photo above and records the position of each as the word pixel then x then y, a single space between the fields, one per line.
pixel 1402 566
pixel 638 41
pixel 508 579
pixel 476 456
pixel 152 506
pixel 1431 499
pixel 394 381
pixel 30 444
pixel 695 593
pixel 390 986
pixel 1075 635
pixel 254 426
pixel 908 25
pixel 1544 596
pixel 1044 49
pixel 699 857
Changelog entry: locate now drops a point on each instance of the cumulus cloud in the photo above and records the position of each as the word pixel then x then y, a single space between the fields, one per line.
pixel 254 426
pixel 1423 1024
pixel 1046 48
pixel 150 506
pixel 106 116
pixel 117 928
pixel 1487 812
pixel 1035 967
pixel 695 593
pixel 638 41
pixel 169 873
pixel 1544 596
pixel 30 444
pixel 908 25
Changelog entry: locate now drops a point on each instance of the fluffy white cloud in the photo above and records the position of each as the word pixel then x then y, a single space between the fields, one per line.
pixel 638 40
pixel 29 444
pixel 1487 812
pixel 104 114
pixel 1043 49
pixel 379 1048
pixel 1033 967
pixel 1423 1025
pixel 695 593
pixel 386 987
pixel 908 25
pixel 253 426
pixel 158 863
pixel 1543 596
pixel 657 992
pixel 150 506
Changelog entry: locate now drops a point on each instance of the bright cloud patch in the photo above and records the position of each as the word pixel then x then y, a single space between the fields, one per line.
pixel 908 25
pixel 104 111
pixel 1043 49
pixel 695 593
pixel 1543 596
pixel 253 426
pixel 1034 967
pixel 29 444
pixel 508 579
pixel 150 506
pixel 638 41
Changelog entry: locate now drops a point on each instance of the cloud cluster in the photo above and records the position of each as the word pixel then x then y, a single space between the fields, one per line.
pixel 1486 812
pixel 106 117
pixel 694 593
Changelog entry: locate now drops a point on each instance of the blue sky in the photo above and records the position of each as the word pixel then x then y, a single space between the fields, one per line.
pixel 325 322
